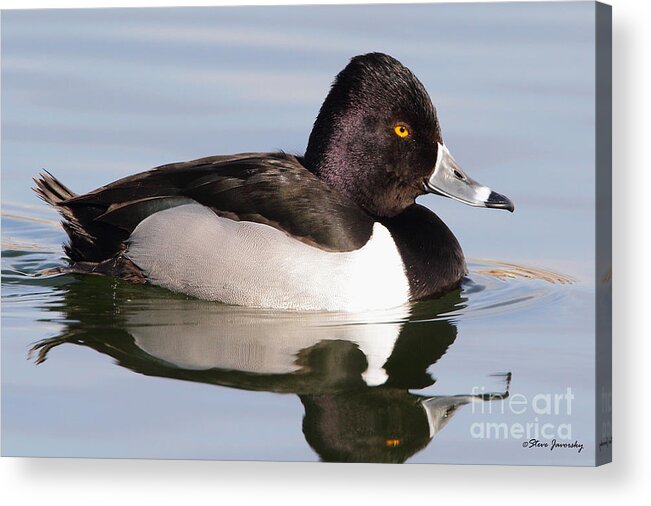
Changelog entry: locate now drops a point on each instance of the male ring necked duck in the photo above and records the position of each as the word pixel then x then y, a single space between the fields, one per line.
pixel 336 229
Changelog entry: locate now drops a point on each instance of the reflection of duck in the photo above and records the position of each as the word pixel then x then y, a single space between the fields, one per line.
pixel 380 424
pixel 352 372
pixel 337 229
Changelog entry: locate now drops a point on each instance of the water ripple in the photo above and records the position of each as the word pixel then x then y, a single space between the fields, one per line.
pixel 31 252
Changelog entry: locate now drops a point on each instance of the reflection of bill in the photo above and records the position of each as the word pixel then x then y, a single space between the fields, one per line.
pixel 352 372
pixel 378 424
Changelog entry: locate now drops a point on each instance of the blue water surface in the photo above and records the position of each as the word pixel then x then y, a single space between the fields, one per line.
pixel 133 371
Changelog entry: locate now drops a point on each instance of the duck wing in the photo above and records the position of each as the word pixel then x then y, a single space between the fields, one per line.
pixel 270 188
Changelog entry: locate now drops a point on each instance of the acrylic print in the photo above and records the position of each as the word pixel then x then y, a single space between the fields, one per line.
pixel 286 233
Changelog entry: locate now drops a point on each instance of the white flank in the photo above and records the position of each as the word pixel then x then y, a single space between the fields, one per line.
pixel 189 249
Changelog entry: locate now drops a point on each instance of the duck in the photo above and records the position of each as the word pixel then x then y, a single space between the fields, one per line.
pixel 337 229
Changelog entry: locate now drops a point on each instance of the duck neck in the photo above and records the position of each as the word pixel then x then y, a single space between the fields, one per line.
pixel 326 158
pixel 381 194
pixel 433 259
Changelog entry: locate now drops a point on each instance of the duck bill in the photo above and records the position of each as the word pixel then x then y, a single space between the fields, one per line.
pixel 449 180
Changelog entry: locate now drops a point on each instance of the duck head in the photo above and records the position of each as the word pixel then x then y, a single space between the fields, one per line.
pixel 377 139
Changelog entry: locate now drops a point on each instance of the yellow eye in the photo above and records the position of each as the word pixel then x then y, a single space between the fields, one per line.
pixel 401 131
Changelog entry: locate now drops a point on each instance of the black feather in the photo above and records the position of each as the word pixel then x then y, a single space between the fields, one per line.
pixel 270 188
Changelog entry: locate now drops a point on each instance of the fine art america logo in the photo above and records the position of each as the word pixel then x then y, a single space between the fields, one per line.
pixel 540 412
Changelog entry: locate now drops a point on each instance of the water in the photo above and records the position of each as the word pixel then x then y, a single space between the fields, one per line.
pixel 97 367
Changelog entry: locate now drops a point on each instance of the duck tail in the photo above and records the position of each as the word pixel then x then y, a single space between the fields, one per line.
pixel 90 250
pixel 51 190
pixel 55 193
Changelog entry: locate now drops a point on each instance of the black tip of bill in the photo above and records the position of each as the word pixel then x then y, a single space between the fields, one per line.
pixel 498 201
